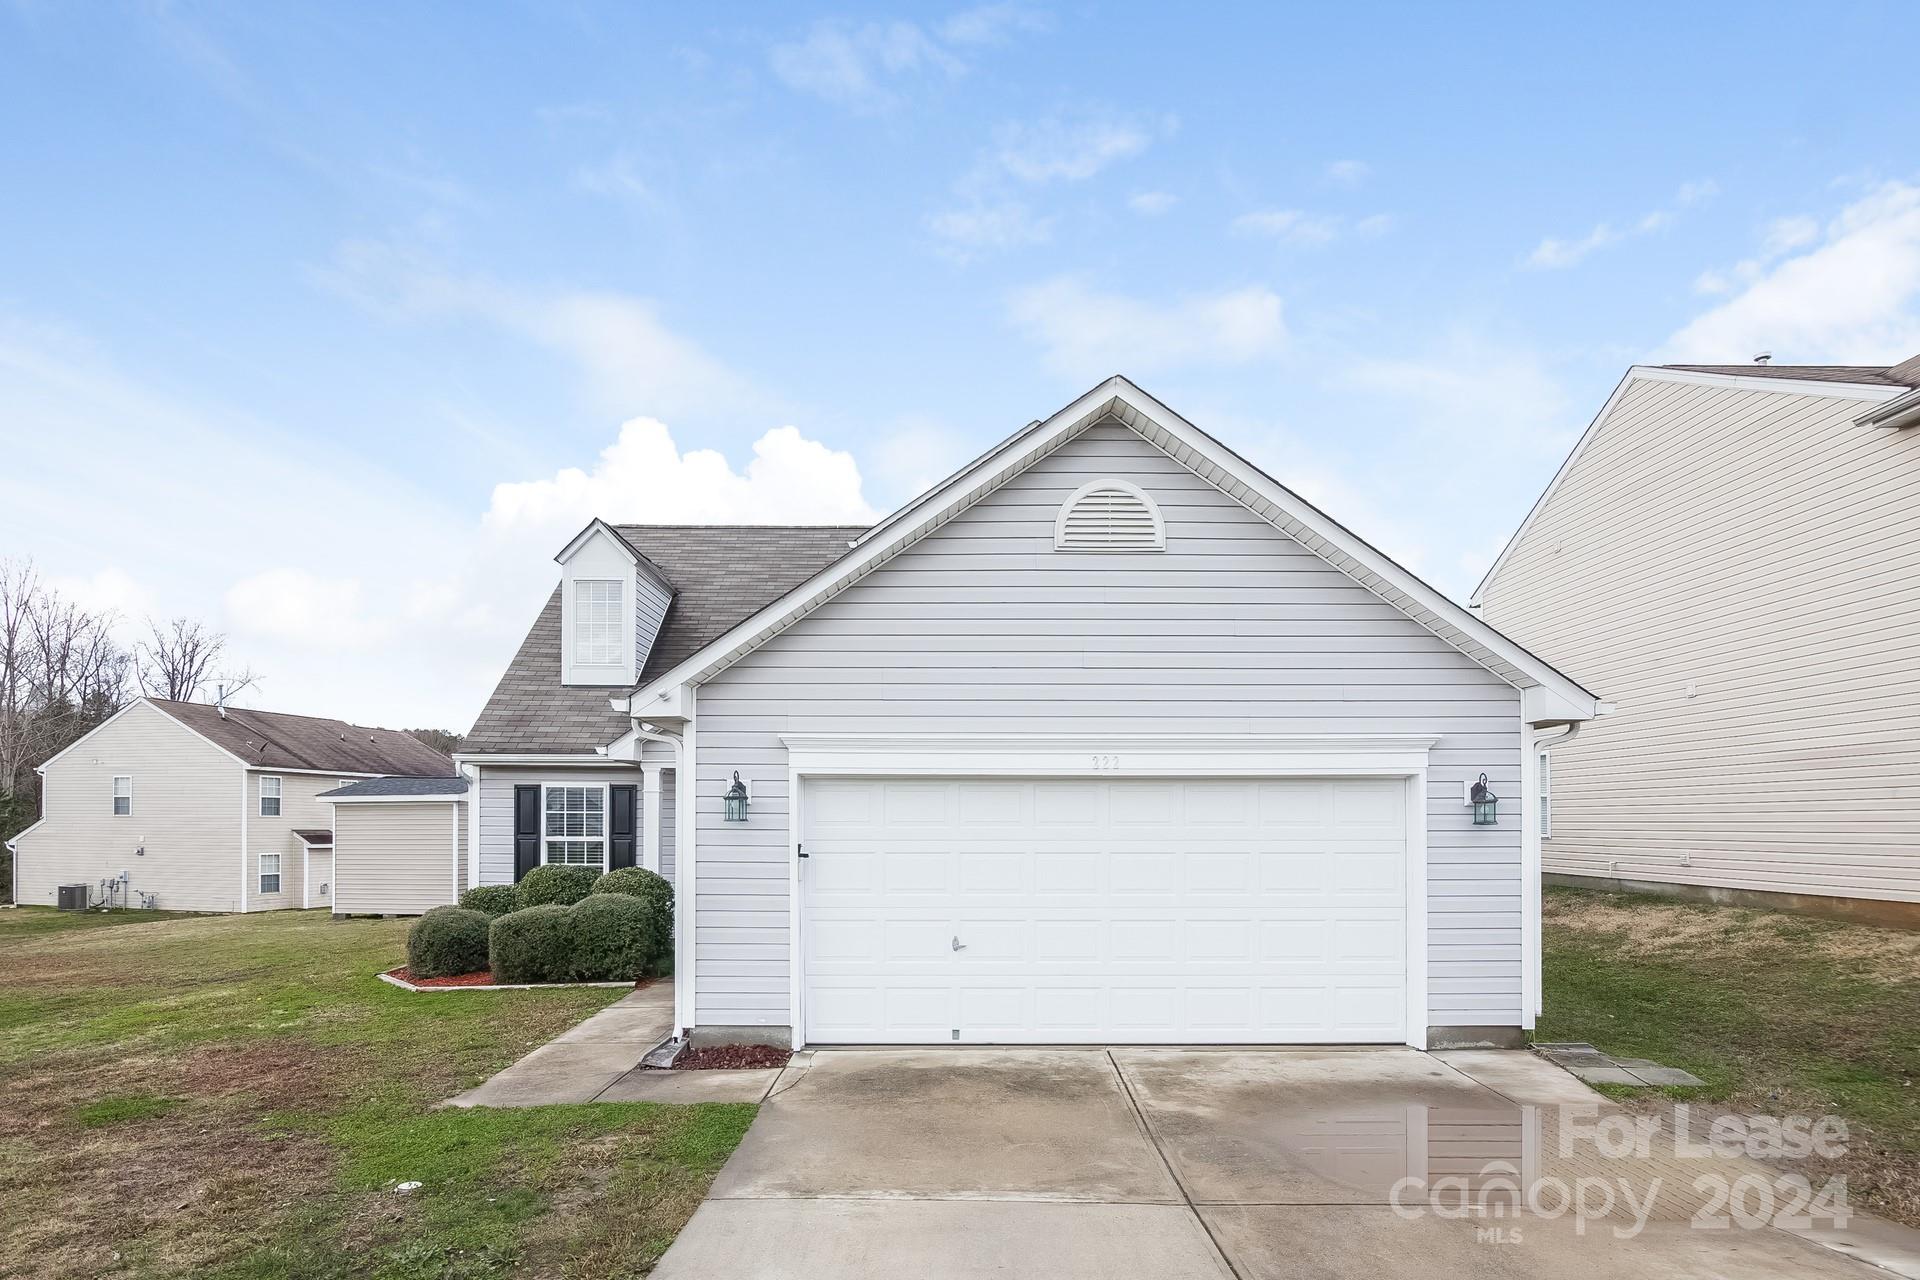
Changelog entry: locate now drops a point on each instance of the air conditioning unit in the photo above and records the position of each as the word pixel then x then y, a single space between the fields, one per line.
pixel 73 897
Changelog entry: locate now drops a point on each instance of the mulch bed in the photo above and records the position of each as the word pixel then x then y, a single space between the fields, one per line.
pixel 480 979
pixel 732 1057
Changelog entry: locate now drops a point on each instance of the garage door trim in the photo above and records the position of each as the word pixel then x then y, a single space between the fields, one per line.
pixel 1115 757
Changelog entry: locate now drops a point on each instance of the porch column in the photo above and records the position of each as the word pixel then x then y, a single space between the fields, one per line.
pixel 650 817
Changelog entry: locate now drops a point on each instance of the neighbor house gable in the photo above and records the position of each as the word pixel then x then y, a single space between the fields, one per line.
pixel 1549 696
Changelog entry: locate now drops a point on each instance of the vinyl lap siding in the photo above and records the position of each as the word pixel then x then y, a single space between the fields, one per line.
pixel 984 628
pixel 299 811
pixel 395 859
pixel 496 806
pixel 186 813
pixel 1763 548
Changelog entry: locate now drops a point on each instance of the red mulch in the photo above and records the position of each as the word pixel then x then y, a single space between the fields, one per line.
pixel 732 1057
pixel 480 979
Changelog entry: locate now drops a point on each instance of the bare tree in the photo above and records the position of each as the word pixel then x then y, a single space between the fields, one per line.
pixel 179 659
pixel 18 588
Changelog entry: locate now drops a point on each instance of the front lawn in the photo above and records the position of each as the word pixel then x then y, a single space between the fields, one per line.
pixel 237 1096
pixel 1780 1014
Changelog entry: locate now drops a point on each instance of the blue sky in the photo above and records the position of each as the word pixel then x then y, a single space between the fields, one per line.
pixel 329 324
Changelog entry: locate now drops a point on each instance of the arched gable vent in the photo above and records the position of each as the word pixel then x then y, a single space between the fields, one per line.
pixel 1109 515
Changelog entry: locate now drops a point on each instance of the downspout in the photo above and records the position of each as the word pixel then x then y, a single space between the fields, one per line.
pixel 1535 942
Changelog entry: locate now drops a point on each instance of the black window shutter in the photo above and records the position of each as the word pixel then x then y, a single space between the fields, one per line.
pixel 620 828
pixel 526 830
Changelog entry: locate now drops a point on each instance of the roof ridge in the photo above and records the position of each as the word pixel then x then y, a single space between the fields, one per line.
pixel 261 711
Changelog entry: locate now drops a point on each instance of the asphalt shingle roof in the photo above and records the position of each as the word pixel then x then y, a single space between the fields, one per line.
pixel 1865 375
pixel 279 740
pixel 721 575
pixel 398 787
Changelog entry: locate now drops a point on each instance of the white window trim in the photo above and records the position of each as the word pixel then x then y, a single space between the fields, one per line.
pixel 1543 774
pixel 279 795
pixel 260 872
pixel 615 655
pixel 113 805
pixel 606 821
pixel 1110 482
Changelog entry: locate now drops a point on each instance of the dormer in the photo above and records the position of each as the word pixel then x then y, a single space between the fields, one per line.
pixel 612 602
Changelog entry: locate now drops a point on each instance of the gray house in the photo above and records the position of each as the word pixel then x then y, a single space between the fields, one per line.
pixel 191 807
pixel 1108 737
pixel 1727 552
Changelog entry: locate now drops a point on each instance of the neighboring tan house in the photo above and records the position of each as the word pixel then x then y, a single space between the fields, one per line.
pixel 1733 554
pixel 187 806
pixel 1109 737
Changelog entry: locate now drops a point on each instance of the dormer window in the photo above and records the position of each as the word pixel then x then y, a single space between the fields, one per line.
pixel 599 629
pixel 1109 515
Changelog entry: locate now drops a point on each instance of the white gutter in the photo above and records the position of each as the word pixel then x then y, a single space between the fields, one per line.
pixel 1901 411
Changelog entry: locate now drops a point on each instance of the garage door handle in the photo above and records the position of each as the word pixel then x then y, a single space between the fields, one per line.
pixel 957 944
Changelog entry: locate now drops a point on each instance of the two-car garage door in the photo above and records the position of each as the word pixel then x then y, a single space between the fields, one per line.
pixel 991 911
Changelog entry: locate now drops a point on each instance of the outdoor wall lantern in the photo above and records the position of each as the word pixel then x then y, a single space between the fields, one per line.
pixel 1484 802
pixel 737 800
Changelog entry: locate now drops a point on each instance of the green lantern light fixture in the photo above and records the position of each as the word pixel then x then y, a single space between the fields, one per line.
pixel 737 799
pixel 1484 803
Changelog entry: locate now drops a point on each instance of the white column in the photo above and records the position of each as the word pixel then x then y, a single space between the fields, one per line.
pixel 650 817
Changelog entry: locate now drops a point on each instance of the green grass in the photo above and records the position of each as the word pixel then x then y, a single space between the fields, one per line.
pixel 283 1091
pixel 1777 1013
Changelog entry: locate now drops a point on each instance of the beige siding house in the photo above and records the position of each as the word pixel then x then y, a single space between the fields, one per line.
pixel 190 807
pixel 1730 552
pixel 1108 738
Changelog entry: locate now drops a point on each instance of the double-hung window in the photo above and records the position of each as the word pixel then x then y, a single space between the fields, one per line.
pixel 269 873
pixel 269 797
pixel 122 795
pixel 598 627
pixel 576 826
pixel 1546 796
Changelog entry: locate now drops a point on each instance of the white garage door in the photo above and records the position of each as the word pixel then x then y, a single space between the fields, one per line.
pixel 985 911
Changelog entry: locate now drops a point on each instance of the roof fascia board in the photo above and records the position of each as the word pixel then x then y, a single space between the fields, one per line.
pixel 271 771
pixel 432 799
pixel 1685 377
pixel 534 757
pixel 1214 462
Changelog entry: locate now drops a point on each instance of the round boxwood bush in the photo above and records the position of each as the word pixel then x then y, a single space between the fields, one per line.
pixel 533 944
pixel 612 938
pixel 555 883
pixel 657 892
pixel 491 899
pixel 446 942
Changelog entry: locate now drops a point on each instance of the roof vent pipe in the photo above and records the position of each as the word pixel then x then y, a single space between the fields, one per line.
pixel 220 700
pixel 1764 357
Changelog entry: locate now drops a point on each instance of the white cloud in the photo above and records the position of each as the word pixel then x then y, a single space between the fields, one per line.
pixel 632 361
pixel 974 229
pixel 1778 238
pixel 992 24
pixel 1348 173
pixel 1086 333
pixel 1289 226
pixel 1554 253
pixel 1851 297
pixel 1152 204
pixel 618 175
pixel 861 67
pixel 642 477
pixel 1062 148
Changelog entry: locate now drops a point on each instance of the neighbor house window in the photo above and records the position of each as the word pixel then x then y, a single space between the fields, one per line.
pixel 270 872
pixel 1546 795
pixel 576 826
pixel 597 625
pixel 269 797
pixel 122 796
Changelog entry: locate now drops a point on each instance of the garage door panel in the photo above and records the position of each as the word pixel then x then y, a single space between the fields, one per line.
pixel 1165 911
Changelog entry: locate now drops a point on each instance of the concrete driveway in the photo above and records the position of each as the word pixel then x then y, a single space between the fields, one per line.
pixel 1170 1164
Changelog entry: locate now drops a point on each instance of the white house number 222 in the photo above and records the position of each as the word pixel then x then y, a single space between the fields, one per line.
pixel 1106 764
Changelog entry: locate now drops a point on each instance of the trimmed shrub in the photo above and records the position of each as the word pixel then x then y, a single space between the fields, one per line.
pixel 612 938
pixel 447 942
pixel 491 899
pixel 533 944
pixel 555 883
pixel 657 892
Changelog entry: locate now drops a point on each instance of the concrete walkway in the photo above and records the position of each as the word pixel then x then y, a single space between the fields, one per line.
pixel 599 1061
pixel 1177 1164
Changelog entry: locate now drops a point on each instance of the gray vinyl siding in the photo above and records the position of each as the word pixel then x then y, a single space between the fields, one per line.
pixel 650 601
pixel 496 806
pixel 983 628
pixel 186 815
pixel 1761 547
pixel 397 859
pixel 669 802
